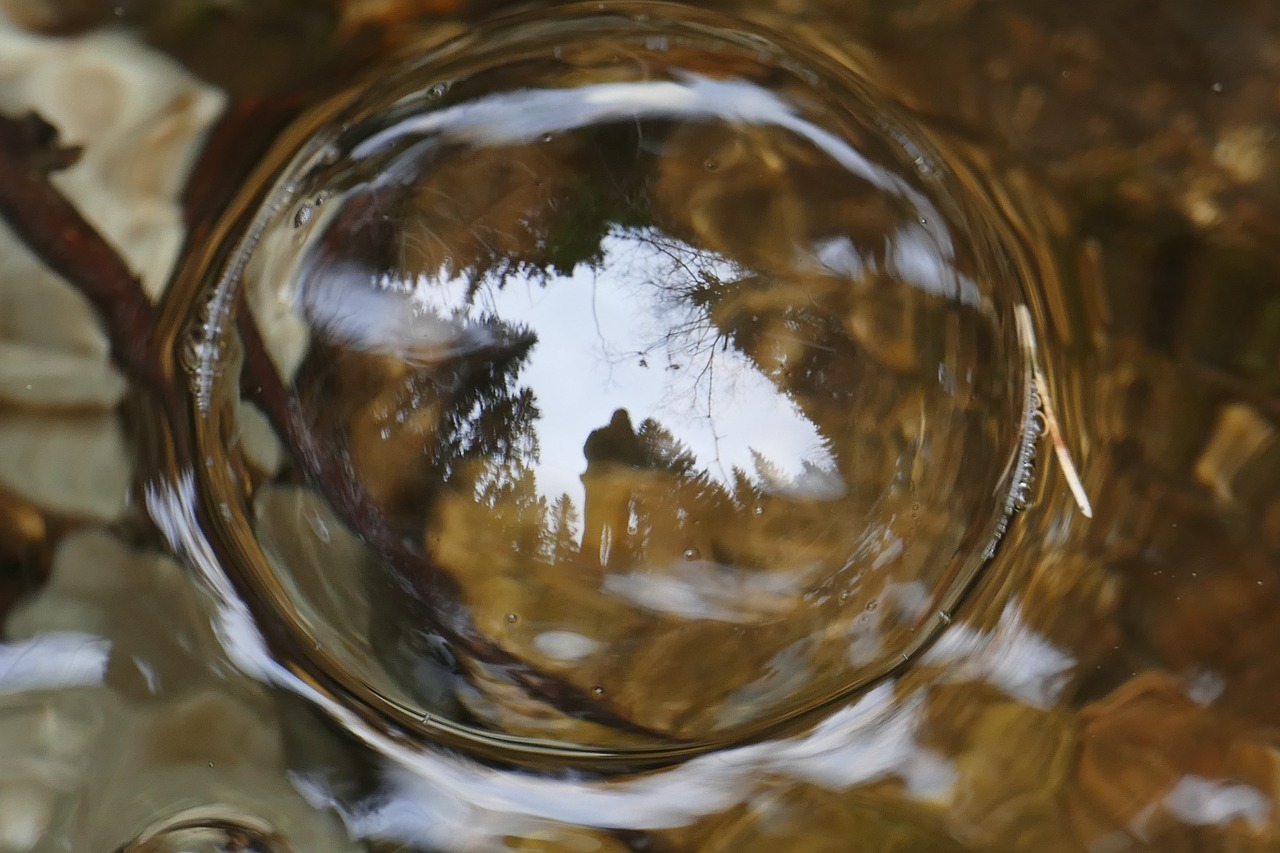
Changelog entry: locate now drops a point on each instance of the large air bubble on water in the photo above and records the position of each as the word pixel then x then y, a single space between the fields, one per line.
pixel 626 360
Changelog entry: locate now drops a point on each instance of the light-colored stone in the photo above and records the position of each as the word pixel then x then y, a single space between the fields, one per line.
pixel 25 813
pixel 77 466
pixel 140 119
pixel 35 377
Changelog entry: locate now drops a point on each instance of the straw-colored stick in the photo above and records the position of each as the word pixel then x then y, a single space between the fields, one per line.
pixel 1028 337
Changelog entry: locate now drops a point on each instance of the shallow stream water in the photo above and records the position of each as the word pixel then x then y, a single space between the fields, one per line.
pixel 638 426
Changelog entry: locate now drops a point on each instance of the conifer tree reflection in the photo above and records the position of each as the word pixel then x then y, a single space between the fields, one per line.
pixel 563 531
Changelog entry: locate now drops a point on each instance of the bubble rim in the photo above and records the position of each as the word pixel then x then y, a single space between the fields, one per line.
pixel 209 345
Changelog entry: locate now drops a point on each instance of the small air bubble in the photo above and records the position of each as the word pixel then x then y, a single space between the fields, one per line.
pixel 513 618
pixel 711 164
pixel 302 217
pixel 597 691
pixel 844 596
pixel 873 604
pixel 547 137
pixel 691 553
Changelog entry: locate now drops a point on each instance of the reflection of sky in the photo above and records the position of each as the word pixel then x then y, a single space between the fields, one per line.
pixel 605 342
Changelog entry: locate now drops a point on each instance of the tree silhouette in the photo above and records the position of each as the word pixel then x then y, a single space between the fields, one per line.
pixel 564 533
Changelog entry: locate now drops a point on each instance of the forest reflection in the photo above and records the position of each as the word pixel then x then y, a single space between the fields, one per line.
pixel 725 409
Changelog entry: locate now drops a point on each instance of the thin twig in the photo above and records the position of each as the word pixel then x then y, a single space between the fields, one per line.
pixel 56 231
pixel 1026 332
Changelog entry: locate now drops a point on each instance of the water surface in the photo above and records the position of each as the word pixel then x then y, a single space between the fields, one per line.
pixel 1104 683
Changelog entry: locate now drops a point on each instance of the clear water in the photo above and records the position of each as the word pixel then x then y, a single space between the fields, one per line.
pixel 601 433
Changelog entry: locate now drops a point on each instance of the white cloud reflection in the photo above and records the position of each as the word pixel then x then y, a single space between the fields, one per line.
pixel 56 660
pixel 1012 657
pixel 1213 802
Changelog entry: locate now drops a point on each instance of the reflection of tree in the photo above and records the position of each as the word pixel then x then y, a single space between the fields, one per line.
pixel 486 451
pixel 486 438
pixel 680 504
pixel 563 531
pixel 482 219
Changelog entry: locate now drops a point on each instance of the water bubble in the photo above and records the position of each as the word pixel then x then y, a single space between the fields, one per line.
pixel 558 319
